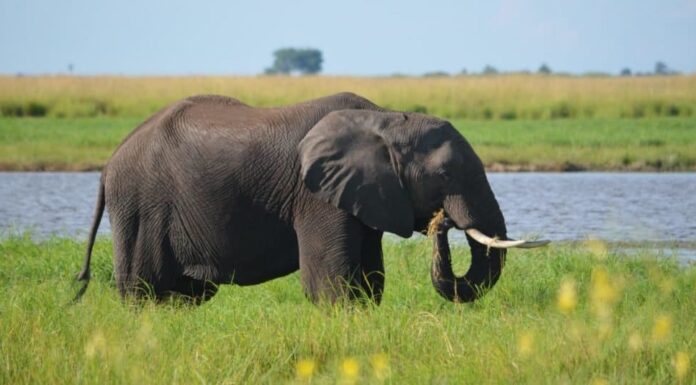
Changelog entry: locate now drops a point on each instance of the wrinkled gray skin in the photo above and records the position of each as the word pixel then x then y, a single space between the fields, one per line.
pixel 211 191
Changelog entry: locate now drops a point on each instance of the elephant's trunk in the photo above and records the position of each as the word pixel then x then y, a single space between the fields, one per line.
pixel 486 266
pixel 485 218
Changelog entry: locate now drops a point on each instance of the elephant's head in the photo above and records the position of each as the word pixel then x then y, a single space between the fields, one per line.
pixel 394 171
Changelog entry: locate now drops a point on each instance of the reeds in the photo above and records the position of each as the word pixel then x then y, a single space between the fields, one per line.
pixel 504 97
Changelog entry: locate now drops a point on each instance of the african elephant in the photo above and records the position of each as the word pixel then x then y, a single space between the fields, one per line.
pixel 210 191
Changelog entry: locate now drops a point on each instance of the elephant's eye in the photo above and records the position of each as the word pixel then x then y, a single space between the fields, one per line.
pixel 444 175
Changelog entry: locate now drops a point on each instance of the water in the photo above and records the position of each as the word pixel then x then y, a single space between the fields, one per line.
pixel 611 206
pixel 558 206
pixel 49 203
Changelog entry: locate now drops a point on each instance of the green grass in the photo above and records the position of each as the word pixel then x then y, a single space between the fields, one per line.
pixel 597 144
pixel 60 144
pixel 625 330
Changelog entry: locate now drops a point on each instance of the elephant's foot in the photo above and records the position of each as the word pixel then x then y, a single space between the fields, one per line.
pixel 193 291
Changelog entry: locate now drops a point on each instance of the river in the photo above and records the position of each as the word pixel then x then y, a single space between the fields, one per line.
pixel 632 207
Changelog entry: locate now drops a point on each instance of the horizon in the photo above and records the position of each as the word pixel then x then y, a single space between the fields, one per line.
pixel 589 74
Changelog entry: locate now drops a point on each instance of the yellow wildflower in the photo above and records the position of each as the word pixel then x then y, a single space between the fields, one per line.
pixel 305 368
pixel 603 292
pixel 604 328
pixel 380 366
pixel 525 344
pixel 567 296
pixel 96 345
pixel 350 369
pixel 662 328
pixel 667 286
pixel 635 342
pixel 597 248
pixel 681 365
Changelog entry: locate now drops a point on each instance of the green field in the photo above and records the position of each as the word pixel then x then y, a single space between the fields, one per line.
pixel 515 122
pixel 563 314
pixel 663 144
pixel 60 144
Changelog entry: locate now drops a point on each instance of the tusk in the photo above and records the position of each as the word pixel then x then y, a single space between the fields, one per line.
pixel 503 244
pixel 533 244
pixel 491 242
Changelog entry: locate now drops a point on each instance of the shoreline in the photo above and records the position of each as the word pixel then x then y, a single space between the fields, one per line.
pixel 496 167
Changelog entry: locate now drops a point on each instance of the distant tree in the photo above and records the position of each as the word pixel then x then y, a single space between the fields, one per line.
pixel 544 69
pixel 436 74
pixel 463 72
pixel 662 69
pixel 289 60
pixel 626 72
pixel 595 74
pixel 489 70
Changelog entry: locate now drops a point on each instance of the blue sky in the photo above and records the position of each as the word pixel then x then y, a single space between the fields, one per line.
pixel 160 37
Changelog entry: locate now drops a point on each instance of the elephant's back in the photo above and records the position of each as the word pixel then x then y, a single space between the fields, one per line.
pixel 217 117
pixel 211 135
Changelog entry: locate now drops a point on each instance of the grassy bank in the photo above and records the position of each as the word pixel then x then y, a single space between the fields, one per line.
pixel 663 144
pixel 506 97
pixel 559 315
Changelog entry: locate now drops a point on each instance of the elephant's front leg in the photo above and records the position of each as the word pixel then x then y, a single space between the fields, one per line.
pixel 330 247
pixel 372 264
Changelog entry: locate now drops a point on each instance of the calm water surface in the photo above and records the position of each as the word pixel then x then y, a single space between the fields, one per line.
pixel 557 206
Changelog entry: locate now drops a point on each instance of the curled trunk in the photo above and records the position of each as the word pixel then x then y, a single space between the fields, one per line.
pixel 486 266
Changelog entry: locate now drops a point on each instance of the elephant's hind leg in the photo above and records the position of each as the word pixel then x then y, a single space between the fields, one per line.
pixel 145 266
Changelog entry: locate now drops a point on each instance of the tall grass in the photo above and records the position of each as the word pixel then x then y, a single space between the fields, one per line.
pixel 563 314
pixel 466 97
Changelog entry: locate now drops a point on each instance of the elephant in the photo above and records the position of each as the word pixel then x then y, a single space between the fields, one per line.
pixel 212 191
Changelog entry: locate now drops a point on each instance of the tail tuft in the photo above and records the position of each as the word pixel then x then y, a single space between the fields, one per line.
pixel 84 275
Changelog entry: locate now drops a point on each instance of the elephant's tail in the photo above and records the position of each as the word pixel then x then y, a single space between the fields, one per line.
pixel 84 275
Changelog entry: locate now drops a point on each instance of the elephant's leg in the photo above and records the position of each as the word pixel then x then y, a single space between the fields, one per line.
pixel 372 264
pixel 125 235
pixel 330 245
pixel 144 261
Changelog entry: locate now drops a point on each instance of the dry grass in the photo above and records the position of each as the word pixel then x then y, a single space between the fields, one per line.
pixel 438 217
pixel 479 97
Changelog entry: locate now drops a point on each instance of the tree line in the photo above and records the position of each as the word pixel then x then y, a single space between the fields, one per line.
pixel 308 61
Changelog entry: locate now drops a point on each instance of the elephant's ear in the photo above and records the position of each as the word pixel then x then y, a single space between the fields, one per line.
pixel 347 162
